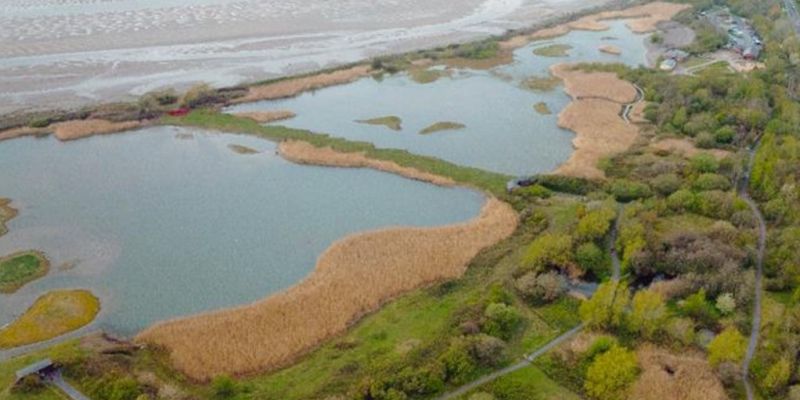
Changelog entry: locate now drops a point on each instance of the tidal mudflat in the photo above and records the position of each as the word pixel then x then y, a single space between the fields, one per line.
pixel 158 227
pixel 493 105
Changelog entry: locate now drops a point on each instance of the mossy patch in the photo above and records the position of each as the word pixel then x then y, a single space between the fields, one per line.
pixel 6 213
pixel 542 108
pixel 392 122
pixel 553 50
pixel 442 126
pixel 51 315
pixel 239 149
pixel 19 268
pixel 541 83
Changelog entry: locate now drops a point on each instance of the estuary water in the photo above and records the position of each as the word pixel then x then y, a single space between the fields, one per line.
pixel 503 133
pixel 167 221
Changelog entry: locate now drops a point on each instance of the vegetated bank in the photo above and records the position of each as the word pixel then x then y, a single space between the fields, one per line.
pixel 20 268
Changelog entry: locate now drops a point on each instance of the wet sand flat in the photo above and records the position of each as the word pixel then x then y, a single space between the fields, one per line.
pixel 74 52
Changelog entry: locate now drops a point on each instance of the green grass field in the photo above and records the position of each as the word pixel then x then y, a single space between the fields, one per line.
pixel 528 383
pixel 19 268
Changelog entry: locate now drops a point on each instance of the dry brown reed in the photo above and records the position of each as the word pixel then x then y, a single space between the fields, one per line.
pixel 667 376
pixel 594 116
pixel 306 153
pixel 264 117
pixel 293 87
pixel 610 49
pixel 77 129
pixel 353 277
pixel 641 19
pixel 14 133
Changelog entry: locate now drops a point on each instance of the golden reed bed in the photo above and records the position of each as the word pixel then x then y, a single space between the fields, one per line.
pixel 642 19
pixel 667 376
pixel 355 276
pixel 267 116
pixel 306 153
pixel 294 86
pixel 593 115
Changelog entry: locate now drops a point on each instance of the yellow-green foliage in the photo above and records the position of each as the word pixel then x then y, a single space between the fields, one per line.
pixel 594 225
pixel 549 250
pixel 51 315
pixel 648 313
pixel 6 213
pixel 392 122
pixel 442 126
pixel 542 84
pixel 606 308
pixel 542 108
pixel 22 267
pixel 728 346
pixel 553 50
pixel 777 376
pixel 611 374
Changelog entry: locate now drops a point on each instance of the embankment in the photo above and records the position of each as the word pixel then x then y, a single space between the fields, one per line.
pixel 355 276
pixel 593 114
pixel 294 86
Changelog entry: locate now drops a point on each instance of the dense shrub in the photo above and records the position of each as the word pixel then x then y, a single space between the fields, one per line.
pixel 729 345
pixel 550 250
pixel 666 184
pixel 626 190
pixel 567 184
pixel 711 181
pixel 500 320
pixel 606 308
pixel 542 288
pixel 590 257
pixel 611 373
pixel 704 163
pixel 648 314
pixel 595 224
pixel 487 350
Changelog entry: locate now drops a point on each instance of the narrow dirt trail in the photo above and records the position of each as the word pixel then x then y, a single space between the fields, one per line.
pixel 752 344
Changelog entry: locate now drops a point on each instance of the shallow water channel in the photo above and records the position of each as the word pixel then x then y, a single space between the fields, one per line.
pixel 158 224
pixel 503 131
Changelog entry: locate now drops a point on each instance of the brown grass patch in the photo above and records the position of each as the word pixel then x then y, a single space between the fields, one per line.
pixel 14 133
pixel 687 148
pixel 305 153
pixel 594 117
pixel 355 276
pixel 642 19
pixel 6 214
pixel 264 117
pixel 77 129
pixel 610 49
pixel 295 86
pixel 667 376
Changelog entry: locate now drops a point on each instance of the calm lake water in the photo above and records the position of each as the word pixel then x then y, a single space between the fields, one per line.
pixel 503 132
pixel 159 226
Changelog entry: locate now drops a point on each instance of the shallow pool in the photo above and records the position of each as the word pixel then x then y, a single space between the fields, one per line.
pixel 166 222
pixel 503 131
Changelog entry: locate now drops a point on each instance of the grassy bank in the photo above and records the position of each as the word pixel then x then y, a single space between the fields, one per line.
pixel 51 315
pixel 489 181
pixel 22 267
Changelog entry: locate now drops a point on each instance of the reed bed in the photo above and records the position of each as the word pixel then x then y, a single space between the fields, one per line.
pixel 78 129
pixel 305 153
pixel 667 376
pixel 14 133
pixel 264 117
pixel 594 116
pixel 6 214
pixel 642 19
pixel 687 148
pixel 353 277
pixel 293 87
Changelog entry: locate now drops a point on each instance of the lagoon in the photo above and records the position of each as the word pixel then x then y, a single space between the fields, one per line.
pixel 166 221
pixel 503 133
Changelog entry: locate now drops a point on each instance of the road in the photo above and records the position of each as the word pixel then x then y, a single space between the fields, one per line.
pixel 794 14
pixel 762 238
pixel 528 359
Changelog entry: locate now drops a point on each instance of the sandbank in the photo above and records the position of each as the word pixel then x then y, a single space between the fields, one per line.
pixel 294 86
pixel 6 214
pixel 264 117
pixel 353 277
pixel 306 153
pixel 610 49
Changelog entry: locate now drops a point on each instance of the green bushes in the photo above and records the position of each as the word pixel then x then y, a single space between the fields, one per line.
pixel 666 184
pixel 590 257
pixel 567 184
pixel 611 373
pixel 542 288
pixel 549 250
pixel 595 224
pixel 648 314
pixel 606 308
pixel 710 181
pixel 500 320
pixel 626 190
pixel 728 346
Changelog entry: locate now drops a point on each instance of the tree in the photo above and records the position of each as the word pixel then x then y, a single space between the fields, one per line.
pixel 606 307
pixel 500 320
pixel 648 313
pixel 726 303
pixel 542 288
pixel 594 225
pixel 729 345
pixel 590 257
pixel 778 376
pixel 549 250
pixel 611 373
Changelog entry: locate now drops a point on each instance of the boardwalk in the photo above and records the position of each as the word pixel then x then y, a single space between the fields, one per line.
pixel 58 381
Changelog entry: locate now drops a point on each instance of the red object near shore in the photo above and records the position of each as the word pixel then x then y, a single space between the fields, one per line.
pixel 178 112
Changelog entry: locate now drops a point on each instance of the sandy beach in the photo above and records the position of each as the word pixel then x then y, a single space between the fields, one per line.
pixel 69 53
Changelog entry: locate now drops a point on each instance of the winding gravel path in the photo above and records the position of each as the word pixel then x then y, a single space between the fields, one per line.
pixel 762 239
